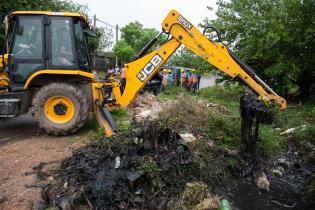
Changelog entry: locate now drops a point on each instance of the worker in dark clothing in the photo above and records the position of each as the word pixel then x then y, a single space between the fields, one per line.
pixel 198 83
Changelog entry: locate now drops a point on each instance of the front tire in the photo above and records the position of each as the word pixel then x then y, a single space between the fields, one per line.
pixel 61 108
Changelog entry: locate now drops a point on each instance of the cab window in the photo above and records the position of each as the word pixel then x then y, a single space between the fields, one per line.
pixel 61 42
pixel 28 42
pixel 26 54
pixel 81 47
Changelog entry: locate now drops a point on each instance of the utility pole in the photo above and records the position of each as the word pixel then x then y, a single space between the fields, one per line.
pixel 117 30
pixel 116 27
pixel 94 27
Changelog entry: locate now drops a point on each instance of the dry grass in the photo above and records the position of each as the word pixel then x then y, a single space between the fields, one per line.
pixel 184 114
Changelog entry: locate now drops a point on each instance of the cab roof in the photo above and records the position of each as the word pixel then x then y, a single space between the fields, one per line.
pixel 49 13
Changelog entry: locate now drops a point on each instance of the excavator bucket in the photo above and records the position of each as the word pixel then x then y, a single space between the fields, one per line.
pixel 253 113
pixel 105 119
pixel 103 116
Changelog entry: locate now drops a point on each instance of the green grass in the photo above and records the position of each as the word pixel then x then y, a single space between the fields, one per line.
pixel 307 134
pixel 297 116
pixel 91 124
pixel 95 132
pixel 171 92
pixel 121 118
pixel 227 96
pixel 224 129
pixel 151 169
pixel 271 142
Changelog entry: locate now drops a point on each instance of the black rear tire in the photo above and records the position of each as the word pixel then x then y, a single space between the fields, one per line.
pixel 72 93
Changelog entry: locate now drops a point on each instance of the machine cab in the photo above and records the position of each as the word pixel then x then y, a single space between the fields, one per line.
pixel 45 41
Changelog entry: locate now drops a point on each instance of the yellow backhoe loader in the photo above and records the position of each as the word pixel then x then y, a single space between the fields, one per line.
pixel 46 66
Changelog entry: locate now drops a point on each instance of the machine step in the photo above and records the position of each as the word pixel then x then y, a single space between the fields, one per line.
pixel 9 107
pixel 4 87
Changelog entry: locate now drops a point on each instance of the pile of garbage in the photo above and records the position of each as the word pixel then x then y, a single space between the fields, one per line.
pixel 126 174
pixel 167 162
pixel 151 167
pixel 145 106
pixel 183 114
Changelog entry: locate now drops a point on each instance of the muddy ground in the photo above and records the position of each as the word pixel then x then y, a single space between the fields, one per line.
pixel 22 147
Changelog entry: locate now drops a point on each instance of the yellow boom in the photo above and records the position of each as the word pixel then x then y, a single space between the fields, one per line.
pixel 140 71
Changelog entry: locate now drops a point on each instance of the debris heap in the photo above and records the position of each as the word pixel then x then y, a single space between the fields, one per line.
pixel 145 169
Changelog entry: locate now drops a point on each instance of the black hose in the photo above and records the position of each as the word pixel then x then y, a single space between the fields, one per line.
pixel 148 46
pixel 214 29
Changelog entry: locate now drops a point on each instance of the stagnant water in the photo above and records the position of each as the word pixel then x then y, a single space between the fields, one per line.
pixel 246 196
pixel 286 190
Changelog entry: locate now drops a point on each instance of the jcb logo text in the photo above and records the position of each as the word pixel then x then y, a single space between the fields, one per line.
pixel 149 68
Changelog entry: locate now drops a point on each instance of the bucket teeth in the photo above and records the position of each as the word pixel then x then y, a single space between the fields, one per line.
pixel 252 107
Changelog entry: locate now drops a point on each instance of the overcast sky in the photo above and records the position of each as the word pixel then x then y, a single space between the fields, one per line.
pixel 148 12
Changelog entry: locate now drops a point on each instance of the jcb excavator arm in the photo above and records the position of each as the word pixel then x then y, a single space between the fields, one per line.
pixel 140 71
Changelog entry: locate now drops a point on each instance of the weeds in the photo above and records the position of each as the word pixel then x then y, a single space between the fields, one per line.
pixel 224 129
pixel 194 193
pixel 296 116
pixel 122 120
pixel 91 124
pixel 151 169
pixel 228 97
pixel 96 134
pixel 307 134
pixel 186 114
pixel 271 143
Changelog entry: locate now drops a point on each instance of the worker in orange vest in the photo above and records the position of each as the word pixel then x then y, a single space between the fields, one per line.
pixel 194 83
pixel 190 81
pixel 182 77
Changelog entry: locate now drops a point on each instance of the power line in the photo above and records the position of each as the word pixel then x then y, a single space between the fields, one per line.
pixel 116 27
pixel 108 24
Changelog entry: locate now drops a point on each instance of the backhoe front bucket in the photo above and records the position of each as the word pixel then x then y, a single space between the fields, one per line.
pixel 105 119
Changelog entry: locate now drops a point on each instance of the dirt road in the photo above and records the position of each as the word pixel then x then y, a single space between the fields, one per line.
pixel 23 146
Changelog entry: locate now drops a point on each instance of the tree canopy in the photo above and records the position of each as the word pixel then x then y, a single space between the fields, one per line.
pixel 275 37
pixel 103 40
pixel 133 38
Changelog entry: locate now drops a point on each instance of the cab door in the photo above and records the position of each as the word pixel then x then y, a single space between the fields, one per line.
pixel 27 52
pixel 61 44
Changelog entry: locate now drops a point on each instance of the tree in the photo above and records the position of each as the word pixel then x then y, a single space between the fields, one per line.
pixel 133 39
pixel 186 58
pixel 275 37
pixel 103 40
